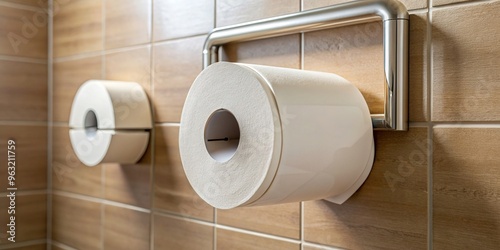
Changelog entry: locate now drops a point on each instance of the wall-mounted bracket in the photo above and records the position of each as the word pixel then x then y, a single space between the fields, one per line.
pixel 394 16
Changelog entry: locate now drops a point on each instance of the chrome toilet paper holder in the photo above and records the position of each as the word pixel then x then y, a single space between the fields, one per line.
pixel 394 16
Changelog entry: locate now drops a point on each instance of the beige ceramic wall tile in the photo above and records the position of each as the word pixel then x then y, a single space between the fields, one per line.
pixel 466 188
pixel 172 191
pixel 28 2
pixel 174 19
pixel 125 228
pixel 24 87
pixel 466 59
pixel 130 184
pixel 417 85
pixel 230 12
pixel 131 65
pixel 77 27
pixel 68 173
pixel 233 240
pixel 410 4
pixel 76 223
pixel 353 52
pixel 32 247
pixel 281 51
pixel 24 32
pixel 127 23
pixel 177 233
pixel 68 77
pixel 281 220
pixel 315 247
pixel 30 217
pixel 390 210
pixel 30 156
pixel 177 63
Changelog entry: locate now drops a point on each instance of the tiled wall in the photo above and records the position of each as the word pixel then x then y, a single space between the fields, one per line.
pixel 23 118
pixel 436 185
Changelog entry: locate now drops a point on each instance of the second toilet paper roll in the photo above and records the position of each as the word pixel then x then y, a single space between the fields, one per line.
pixel 256 135
pixel 110 122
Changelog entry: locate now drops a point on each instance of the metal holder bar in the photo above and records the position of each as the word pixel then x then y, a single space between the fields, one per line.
pixel 395 42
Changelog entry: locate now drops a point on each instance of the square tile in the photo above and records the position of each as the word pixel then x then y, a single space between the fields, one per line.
pixel 283 51
pixel 24 32
pixel 77 27
pixel 130 184
pixel 390 210
pixel 172 191
pixel 125 228
pixel 176 65
pixel 68 173
pixel 465 67
pixel 282 220
pixel 178 233
pixel 466 188
pixel 68 77
pixel 353 52
pixel 230 12
pixel 174 19
pixel 130 65
pixel 24 91
pixel 76 223
pixel 30 215
pixel 127 23
pixel 234 240
pixel 30 156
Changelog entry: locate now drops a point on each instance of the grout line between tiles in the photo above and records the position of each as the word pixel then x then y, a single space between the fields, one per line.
pixel 50 114
pixel 23 123
pixel 302 233
pixel 322 247
pixel 418 125
pixel 22 59
pixel 215 229
pixel 103 167
pixel 60 245
pixel 24 244
pixel 114 50
pixel 26 192
pixel 161 42
pixel 460 4
pixel 229 228
pixel 258 234
pixel 153 130
pixel 461 125
pixel 100 200
pixel 77 57
pixel 418 11
pixel 20 6
pixel 430 131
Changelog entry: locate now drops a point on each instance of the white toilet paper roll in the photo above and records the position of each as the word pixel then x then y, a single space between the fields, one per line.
pixel 257 135
pixel 109 122
pixel 125 147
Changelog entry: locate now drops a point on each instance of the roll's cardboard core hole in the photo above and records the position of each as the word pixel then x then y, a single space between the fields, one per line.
pixel 222 135
pixel 90 124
